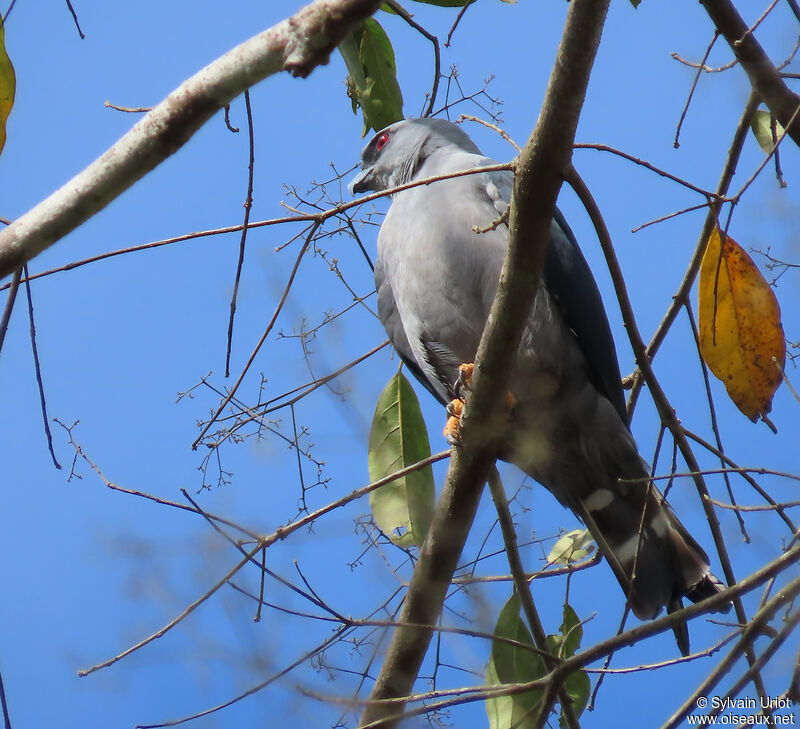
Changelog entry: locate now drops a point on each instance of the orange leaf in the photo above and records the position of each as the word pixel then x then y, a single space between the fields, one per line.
pixel 741 337
pixel 7 86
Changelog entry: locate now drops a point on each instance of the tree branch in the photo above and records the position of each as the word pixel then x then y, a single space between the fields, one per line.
pixel 764 77
pixel 536 184
pixel 297 45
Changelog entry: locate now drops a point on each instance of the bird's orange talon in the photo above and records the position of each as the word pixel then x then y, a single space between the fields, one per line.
pixel 464 377
pixel 451 429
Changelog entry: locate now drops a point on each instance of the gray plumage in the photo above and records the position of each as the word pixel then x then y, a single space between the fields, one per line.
pixel 436 279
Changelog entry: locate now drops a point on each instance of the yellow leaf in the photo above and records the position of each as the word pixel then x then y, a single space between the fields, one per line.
pixel 741 337
pixel 7 86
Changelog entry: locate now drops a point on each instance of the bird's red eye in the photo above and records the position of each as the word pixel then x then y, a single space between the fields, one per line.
pixel 380 140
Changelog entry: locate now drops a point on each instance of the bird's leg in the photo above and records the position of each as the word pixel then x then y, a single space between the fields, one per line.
pixel 455 408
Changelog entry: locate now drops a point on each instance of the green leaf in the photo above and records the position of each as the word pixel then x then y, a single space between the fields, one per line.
pixel 7 88
pixel 573 546
pixel 513 664
pixel 761 124
pixel 372 82
pixel 578 687
pixel 636 3
pixel 564 645
pixel 398 438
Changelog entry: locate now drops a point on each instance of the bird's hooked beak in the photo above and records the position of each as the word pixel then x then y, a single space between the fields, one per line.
pixel 363 181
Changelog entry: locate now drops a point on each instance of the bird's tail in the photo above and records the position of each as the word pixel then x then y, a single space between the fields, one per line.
pixel 653 556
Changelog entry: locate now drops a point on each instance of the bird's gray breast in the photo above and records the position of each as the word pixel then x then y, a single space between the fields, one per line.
pixel 442 274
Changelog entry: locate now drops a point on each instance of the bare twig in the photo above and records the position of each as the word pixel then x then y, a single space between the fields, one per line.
pixel 38 370
pixel 75 19
pixel 4 705
pixel 172 623
pixel 248 204
pixel 9 307
pixel 700 69
pixel 437 62
pixel 652 168
pixel 128 109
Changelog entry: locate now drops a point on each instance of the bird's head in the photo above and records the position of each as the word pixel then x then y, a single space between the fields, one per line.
pixel 395 153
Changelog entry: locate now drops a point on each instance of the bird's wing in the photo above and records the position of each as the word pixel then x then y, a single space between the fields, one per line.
pixel 572 287
pixel 390 317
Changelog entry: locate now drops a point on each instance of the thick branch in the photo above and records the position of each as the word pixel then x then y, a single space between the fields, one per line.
pixel 536 185
pixel 764 77
pixel 297 45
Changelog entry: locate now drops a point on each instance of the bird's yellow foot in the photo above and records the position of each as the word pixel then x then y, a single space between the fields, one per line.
pixel 451 428
pixel 464 378
pixel 455 408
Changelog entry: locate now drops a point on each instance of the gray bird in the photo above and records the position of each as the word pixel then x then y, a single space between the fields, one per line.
pixel 436 277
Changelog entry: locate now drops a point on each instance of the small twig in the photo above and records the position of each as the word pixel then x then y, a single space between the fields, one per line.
pixel 228 124
pixel 38 370
pixel 759 507
pixel 669 216
pixel 248 204
pixel 437 72
pixel 172 623
pixel 700 68
pixel 705 69
pixel 261 582
pixel 4 705
pixel 128 109
pixel 755 25
pixel 530 576
pixel 705 653
pixel 456 22
pixel 502 132
pixel 653 168
pixel 773 128
pixel 502 219
pixel 786 379
pixel 12 296
pixel 75 19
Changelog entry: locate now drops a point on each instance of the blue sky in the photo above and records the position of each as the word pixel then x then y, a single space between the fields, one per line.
pixel 88 572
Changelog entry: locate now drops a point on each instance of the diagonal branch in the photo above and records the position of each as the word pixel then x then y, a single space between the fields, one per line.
pixel 536 184
pixel 297 45
pixel 765 79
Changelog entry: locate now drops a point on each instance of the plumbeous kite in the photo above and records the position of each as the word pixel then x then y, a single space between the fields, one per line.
pixel 436 278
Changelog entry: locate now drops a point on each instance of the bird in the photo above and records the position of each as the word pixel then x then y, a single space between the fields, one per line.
pixel 441 248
